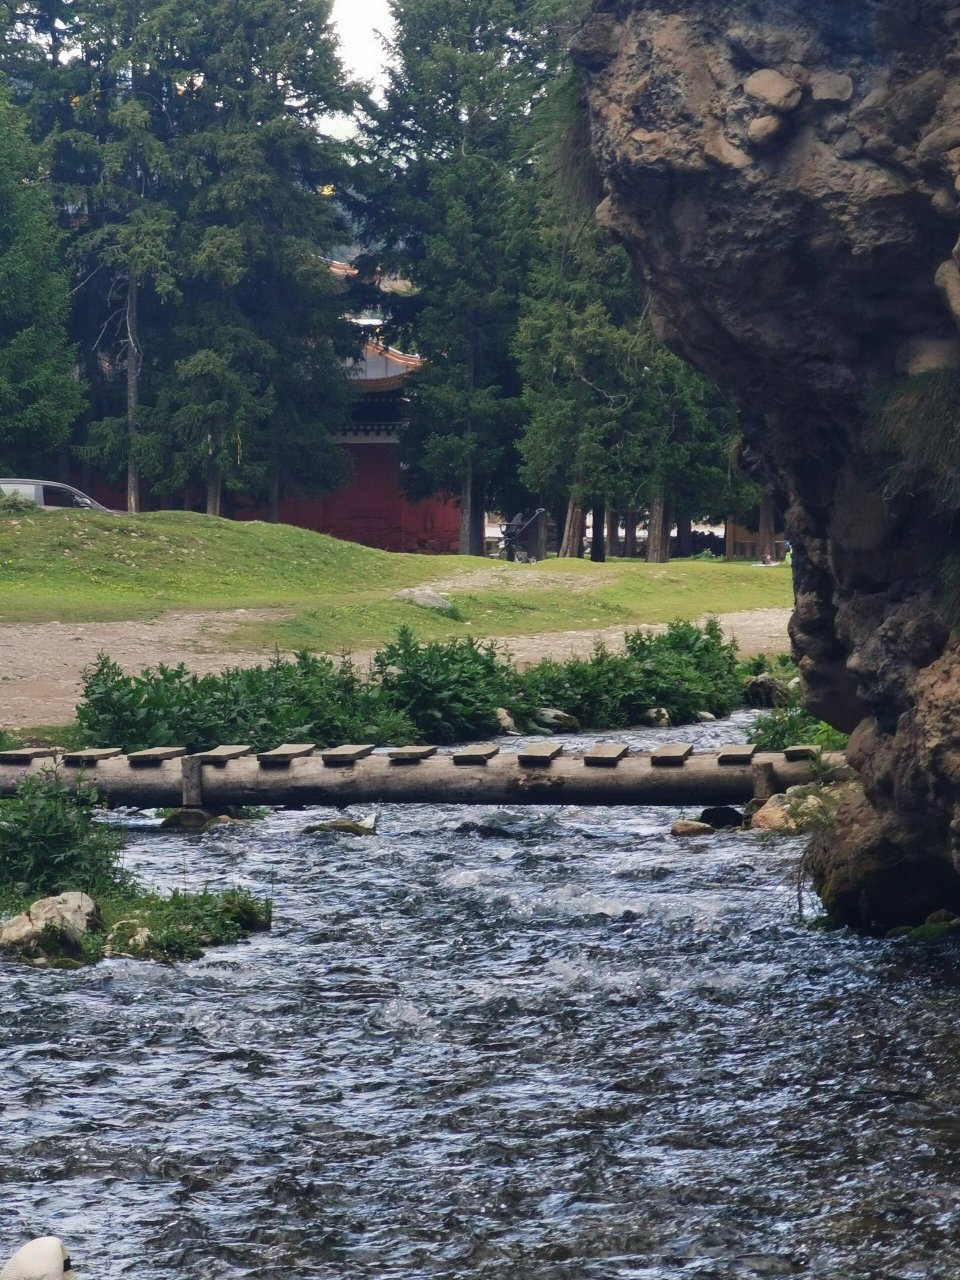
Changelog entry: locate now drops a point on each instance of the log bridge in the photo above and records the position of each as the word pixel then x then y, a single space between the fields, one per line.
pixel 298 775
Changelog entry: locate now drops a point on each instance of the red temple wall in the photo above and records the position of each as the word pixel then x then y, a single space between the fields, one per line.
pixel 372 510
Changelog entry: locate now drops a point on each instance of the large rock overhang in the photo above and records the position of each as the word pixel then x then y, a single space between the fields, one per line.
pixel 786 174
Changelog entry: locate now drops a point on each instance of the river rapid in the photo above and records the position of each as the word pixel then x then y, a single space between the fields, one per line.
pixel 551 1043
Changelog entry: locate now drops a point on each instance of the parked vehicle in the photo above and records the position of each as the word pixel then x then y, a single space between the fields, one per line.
pixel 51 495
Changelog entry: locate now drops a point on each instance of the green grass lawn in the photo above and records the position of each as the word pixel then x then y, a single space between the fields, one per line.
pixel 79 566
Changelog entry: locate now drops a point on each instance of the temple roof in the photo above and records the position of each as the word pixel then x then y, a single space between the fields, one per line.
pixel 382 368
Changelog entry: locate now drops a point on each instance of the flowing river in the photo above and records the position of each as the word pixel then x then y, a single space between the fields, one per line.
pixel 542 1045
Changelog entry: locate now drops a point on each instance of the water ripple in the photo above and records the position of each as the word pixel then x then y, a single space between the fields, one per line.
pixel 539 1043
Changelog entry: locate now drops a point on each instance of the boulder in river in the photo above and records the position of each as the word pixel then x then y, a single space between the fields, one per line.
pixel 186 820
pixel 687 827
pixel 722 817
pixel 63 919
pixel 345 826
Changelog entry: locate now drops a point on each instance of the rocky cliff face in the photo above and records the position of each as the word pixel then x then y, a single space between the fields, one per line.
pixel 786 172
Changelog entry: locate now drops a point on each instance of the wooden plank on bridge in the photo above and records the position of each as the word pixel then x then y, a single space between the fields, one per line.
pixel 347 755
pixel 90 758
pixel 475 755
pixel 410 755
pixel 802 751
pixel 672 756
pixel 154 757
pixel 739 753
pixel 220 756
pixel 25 755
pixel 539 756
pixel 280 757
pixel 606 756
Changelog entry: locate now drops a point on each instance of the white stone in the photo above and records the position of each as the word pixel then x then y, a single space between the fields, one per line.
pixel 42 1259
pixel 927 355
pixel 773 816
pixel 765 130
pixel 68 913
pixel 424 598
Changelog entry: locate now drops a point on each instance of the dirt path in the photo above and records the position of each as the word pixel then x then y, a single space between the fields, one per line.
pixel 40 664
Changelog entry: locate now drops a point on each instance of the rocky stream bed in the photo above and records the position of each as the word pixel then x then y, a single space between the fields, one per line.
pixel 551 1043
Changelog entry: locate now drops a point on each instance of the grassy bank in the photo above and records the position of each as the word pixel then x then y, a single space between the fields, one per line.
pixel 82 567
pixel 51 843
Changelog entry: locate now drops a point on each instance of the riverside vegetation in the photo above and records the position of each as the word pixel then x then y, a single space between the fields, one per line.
pixel 436 692
pixel 52 842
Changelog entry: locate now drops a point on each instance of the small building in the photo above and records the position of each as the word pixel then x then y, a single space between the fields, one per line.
pixel 371 507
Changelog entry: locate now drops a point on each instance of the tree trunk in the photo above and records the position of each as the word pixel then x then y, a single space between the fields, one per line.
pixel 541 539
pixel 630 537
pixel 273 496
pixel 658 535
pixel 767 528
pixel 133 394
pixel 214 488
pixel 613 534
pixel 471 521
pixel 684 536
pixel 598 550
pixel 571 544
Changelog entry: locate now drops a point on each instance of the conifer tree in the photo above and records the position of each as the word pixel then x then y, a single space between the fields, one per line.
pixel 449 212
pixel 185 146
pixel 39 392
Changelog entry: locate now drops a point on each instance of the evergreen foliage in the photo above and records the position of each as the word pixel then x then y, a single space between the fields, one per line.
pixel 446 204
pixel 183 145
pixel 186 151
pixel 39 393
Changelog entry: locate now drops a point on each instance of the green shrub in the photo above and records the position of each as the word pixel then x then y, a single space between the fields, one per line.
pixel 685 670
pixel 448 690
pixel 49 842
pixel 15 504
pixel 311 699
pixel 181 926
pixel 439 692
pixel 790 726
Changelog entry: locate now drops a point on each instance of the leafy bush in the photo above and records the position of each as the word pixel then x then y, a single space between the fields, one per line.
pixel 448 691
pixel 439 692
pixel 791 725
pixel 685 670
pixel 310 699
pixel 49 842
pixel 182 925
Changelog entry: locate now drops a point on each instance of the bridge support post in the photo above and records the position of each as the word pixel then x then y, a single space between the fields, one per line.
pixel 764 780
pixel 192 782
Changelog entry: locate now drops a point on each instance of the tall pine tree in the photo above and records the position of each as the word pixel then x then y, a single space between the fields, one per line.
pixel 39 393
pixel 450 214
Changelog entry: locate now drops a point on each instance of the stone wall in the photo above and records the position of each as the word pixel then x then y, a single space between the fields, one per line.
pixel 786 174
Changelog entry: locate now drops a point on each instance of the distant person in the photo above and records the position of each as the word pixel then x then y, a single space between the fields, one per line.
pixel 767 559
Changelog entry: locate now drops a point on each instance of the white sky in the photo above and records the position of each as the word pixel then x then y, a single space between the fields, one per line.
pixel 357 23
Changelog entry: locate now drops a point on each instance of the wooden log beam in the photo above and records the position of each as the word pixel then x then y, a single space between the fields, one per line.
pixel 441 779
